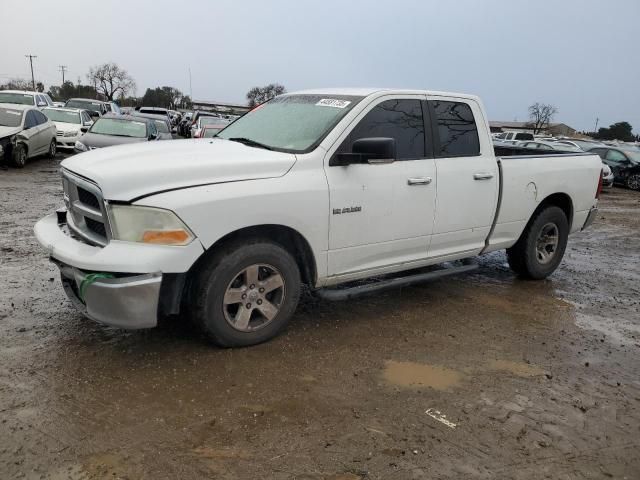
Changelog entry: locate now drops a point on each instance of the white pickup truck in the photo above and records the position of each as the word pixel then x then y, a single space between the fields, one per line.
pixel 320 187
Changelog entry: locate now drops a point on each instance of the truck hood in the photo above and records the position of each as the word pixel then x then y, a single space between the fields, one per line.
pixel 127 172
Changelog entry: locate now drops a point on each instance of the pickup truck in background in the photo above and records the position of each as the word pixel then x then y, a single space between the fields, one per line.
pixel 320 187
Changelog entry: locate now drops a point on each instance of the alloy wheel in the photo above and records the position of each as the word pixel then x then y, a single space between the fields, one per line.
pixel 254 297
pixel 547 243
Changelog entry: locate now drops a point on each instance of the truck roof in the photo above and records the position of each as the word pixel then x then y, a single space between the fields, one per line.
pixel 365 92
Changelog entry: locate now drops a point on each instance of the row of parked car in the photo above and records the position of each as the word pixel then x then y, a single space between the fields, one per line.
pixel 31 124
pixel 621 162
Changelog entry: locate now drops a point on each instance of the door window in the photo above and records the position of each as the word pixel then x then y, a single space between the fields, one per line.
pixel 30 120
pixel 457 130
pixel 40 118
pixel 399 119
pixel 616 157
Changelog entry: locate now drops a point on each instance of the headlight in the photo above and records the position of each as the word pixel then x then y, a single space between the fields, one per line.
pixel 80 146
pixel 148 225
pixel 70 134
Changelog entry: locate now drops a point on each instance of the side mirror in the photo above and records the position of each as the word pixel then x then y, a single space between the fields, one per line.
pixel 153 136
pixel 84 128
pixel 375 151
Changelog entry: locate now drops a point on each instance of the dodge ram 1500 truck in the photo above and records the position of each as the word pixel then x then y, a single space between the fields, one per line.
pixel 320 187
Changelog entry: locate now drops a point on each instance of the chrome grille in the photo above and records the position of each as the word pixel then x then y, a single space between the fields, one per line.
pixel 59 133
pixel 86 213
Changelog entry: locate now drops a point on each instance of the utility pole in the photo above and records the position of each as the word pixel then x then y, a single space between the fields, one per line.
pixel 190 89
pixel 596 127
pixel 33 80
pixel 63 68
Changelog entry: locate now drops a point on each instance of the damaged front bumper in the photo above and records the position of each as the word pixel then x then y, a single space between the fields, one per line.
pixel 129 302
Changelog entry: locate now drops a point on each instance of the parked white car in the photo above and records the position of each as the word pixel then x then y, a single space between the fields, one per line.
pixel 24 97
pixel 25 132
pixel 322 187
pixel 71 124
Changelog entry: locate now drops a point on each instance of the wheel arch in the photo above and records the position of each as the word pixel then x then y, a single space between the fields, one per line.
pixel 559 199
pixel 287 237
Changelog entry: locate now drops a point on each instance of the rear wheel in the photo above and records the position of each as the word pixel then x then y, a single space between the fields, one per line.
pixel 19 156
pixel 52 149
pixel 246 293
pixel 633 181
pixel 541 246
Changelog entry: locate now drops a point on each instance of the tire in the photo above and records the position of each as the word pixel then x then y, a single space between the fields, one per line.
pixel 540 248
pixel 19 156
pixel 53 147
pixel 633 181
pixel 218 306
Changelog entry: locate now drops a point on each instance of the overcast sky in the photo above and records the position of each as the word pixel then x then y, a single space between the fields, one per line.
pixel 579 55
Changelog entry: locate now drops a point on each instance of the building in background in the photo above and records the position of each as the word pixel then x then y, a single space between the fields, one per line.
pixel 555 129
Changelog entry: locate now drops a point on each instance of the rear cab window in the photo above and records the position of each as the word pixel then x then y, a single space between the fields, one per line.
pixel 455 128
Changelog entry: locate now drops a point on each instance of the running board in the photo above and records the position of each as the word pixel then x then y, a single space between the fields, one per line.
pixel 334 294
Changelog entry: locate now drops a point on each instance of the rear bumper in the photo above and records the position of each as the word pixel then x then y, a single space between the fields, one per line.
pixel 590 218
pixel 129 302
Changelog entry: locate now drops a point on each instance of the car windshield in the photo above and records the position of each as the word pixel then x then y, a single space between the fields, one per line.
pixel 62 116
pixel 86 104
pixel 19 98
pixel 211 131
pixel 119 128
pixel 161 126
pixel 209 120
pixel 291 123
pixel 10 117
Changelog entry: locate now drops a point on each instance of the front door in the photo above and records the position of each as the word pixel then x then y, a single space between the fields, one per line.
pixel 468 177
pixel 382 214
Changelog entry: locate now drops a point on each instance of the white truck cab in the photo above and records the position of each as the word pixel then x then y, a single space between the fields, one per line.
pixel 322 187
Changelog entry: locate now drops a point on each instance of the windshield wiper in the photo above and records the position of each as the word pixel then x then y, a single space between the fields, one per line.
pixel 249 142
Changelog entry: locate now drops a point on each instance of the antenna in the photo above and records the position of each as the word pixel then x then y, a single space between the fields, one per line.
pixel 63 68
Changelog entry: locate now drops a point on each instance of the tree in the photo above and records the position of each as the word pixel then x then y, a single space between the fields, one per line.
pixel 40 87
pixel 69 90
pixel 110 80
pixel 17 84
pixel 541 115
pixel 166 97
pixel 617 131
pixel 259 95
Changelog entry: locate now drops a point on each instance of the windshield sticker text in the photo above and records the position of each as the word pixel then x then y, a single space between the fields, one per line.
pixel 333 102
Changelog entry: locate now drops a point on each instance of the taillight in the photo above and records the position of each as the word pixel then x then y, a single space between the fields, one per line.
pixel 599 189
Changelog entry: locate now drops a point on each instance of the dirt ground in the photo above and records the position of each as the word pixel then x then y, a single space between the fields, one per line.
pixel 481 376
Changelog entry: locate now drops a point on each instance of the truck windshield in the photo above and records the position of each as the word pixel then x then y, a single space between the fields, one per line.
pixel 291 123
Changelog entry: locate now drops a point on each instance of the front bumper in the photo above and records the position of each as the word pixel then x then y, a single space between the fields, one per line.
pixel 129 302
pixel 147 279
pixel 590 218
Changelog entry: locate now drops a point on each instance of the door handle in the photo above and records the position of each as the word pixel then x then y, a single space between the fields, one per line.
pixel 482 176
pixel 419 181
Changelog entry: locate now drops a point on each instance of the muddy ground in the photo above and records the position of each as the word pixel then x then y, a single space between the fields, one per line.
pixel 478 376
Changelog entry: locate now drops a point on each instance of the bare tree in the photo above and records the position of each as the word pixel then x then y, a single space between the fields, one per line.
pixel 541 115
pixel 259 95
pixel 110 80
pixel 17 84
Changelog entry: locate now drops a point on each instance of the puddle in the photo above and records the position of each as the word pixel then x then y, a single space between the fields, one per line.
pixel 410 374
pixel 521 369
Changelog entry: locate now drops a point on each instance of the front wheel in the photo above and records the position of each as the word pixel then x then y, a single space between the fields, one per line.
pixel 19 156
pixel 540 248
pixel 633 181
pixel 52 149
pixel 245 293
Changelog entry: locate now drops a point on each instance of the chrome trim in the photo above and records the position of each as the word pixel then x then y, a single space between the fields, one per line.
pixel 419 181
pixel 79 211
pixel 483 176
pixel 125 302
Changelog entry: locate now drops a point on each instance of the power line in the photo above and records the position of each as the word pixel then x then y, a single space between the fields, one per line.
pixel 63 68
pixel 33 79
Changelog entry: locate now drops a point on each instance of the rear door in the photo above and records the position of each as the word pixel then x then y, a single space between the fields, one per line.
pixel 382 214
pixel 467 171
